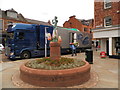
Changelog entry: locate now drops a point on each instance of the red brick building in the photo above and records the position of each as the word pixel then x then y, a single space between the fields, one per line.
pixel 107 25
pixel 80 24
pixel 110 12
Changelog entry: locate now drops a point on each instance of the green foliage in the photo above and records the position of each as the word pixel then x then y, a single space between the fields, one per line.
pixel 63 63
pixel 76 44
pixel 54 39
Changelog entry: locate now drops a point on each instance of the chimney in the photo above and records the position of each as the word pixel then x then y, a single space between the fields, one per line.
pixel 72 16
pixel 49 22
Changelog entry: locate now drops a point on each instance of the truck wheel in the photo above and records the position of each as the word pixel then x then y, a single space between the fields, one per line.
pixel 25 55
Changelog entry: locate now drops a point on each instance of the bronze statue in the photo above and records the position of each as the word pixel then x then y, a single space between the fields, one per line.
pixel 54 22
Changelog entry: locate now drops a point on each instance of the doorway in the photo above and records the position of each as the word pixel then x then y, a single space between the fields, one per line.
pixel 107 47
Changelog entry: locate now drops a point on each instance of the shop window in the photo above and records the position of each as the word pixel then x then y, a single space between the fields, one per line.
pixel 117 46
pixel 107 21
pixel 107 4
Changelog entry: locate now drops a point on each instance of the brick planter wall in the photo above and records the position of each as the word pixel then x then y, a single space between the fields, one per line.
pixel 55 78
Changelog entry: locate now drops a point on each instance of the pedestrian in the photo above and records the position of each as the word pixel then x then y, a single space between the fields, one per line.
pixel 3 42
pixel 73 49
pixel 96 45
pixel 93 43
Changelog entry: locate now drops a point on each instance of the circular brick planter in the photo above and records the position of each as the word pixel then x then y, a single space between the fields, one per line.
pixel 55 78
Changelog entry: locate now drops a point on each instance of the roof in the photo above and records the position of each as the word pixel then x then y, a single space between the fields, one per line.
pixel 37 22
pixel 21 26
pixel 86 22
pixel 72 29
pixel 11 10
pixel 20 17
pixel 82 21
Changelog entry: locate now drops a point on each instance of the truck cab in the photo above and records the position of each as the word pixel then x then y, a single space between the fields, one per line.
pixel 21 39
pixel 26 40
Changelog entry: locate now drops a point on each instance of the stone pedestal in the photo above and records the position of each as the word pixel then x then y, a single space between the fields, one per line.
pixel 55 52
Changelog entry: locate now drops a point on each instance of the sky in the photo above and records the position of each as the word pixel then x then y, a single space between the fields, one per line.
pixel 44 10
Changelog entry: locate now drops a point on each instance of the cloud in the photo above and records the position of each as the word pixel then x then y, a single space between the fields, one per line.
pixel 45 10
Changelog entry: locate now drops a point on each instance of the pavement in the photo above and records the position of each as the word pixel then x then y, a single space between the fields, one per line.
pixel 106 70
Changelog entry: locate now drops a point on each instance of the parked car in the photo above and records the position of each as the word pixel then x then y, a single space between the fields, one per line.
pixel 1 48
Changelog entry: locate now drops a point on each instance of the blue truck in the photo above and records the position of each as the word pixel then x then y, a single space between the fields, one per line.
pixel 28 40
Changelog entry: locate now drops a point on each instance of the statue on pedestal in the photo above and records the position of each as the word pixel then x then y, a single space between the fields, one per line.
pixel 55 52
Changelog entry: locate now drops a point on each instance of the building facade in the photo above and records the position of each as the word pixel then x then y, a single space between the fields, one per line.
pixel 80 24
pixel 12 16
pixel 107 26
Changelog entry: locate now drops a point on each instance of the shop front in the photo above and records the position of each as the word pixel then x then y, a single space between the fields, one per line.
pixel 109 40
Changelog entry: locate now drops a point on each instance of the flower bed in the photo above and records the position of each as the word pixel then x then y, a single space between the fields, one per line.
pixel 47 63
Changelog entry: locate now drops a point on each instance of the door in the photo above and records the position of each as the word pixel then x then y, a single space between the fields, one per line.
pixel 107 47
pixel 25 39
pixel 73 37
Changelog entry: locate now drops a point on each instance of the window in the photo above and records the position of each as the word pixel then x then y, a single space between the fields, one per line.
pixel 73 37
pixel 1 24
pixel 70 23
pixel 11 35
pixel 12 14
pixel 107 21
pixel 21 35
pixel 9 23
pixel 85 29
pixel 107 4
pixel 0 13
pixel 117 46
pixel 90 30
